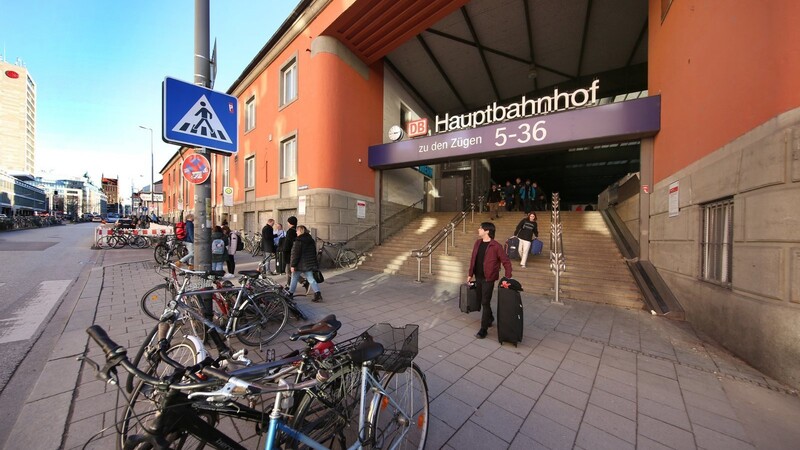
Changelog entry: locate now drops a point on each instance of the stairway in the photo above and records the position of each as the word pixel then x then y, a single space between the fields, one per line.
pixel 596 271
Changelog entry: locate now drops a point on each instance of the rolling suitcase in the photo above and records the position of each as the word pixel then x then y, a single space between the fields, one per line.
pixel 468 300
pixel 509 316
pixel 512 248
pixel 536 247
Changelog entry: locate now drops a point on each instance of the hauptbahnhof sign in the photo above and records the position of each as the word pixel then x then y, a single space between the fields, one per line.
pixel 633 119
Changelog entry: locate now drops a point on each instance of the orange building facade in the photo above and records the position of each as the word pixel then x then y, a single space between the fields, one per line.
pixel 717 210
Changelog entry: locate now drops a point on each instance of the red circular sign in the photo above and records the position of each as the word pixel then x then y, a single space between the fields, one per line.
pixel 12 74
pixel 196 169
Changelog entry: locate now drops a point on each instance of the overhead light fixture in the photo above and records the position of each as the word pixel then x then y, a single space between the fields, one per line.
pixel 532 73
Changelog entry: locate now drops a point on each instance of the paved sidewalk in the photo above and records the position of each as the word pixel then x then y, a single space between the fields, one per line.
pixel 585 376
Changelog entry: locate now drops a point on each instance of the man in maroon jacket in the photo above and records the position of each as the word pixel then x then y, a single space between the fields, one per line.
pixel 484 267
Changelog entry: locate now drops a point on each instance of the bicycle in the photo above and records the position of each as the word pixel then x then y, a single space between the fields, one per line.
pixel 345 258
pixel 169 249
pixel 398 409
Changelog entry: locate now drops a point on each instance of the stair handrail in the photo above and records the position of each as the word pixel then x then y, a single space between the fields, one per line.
pixel 558 260
pixel 447 231
pixel 382 222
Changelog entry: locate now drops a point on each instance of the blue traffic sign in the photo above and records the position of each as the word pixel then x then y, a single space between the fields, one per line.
pixel 199 117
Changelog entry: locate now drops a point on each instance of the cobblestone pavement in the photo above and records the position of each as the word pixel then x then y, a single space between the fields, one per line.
pixel 585 376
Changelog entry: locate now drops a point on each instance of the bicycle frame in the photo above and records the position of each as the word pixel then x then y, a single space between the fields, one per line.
pixel 178 303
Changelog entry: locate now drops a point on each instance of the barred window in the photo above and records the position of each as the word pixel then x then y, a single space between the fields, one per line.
pixel 717 242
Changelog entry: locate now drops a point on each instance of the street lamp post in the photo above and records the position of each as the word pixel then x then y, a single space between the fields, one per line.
pixel 152 168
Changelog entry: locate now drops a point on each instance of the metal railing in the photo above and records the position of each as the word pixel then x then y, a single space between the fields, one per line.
pixel 558 260
pixel 442 236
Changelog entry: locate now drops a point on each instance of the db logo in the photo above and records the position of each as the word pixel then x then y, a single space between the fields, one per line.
pixel 417 128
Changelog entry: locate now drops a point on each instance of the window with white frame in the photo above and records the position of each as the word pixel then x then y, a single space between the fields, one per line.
pixel 250 114
pixel 226 171
pixel 289 82
pixel 717 242
pixel 289 158
pixel 250 172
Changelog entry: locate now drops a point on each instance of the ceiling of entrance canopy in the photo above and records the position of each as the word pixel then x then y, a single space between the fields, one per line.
pixel 458 56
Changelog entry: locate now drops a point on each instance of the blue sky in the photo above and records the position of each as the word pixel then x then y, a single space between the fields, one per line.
pixel 98 66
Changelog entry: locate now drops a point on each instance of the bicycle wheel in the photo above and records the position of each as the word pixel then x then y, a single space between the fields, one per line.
pixel 402 422
pixel 348 259
pixel 191 326
pixel 160 254
pixel 329 414
pixel 140 242
pixel 261 317
pixel 142 408
pixel 155 300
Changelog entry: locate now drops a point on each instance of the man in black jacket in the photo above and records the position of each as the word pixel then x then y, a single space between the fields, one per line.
pixel 268 238
pixel 304 262
pixel 286 251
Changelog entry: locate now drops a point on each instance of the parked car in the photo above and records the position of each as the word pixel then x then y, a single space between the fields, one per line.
pixel 3 217
pixel 124 222
pixel 112 217
pixel 97 218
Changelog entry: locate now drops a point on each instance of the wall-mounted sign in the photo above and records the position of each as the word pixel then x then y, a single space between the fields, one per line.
pixel 145 196
pixel 674 204
pixel 227 196
pixel 301 205
pixel 196 168
pixel 361 209
pixel 417 128
pixel 302 188
pixel 524 108
pixel 633 119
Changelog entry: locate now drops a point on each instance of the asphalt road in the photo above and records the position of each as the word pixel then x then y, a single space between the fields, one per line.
pixel 38 268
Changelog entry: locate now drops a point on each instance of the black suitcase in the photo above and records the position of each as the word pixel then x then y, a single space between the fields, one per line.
pixel 468 299
pixel 512 248
pixel 509 316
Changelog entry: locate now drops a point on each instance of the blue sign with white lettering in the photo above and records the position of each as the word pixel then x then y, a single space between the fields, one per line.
pixel 199 117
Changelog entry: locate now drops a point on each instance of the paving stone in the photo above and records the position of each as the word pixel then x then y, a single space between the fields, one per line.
pixel 534 373
pixel 448 371
pixel 665 413
pixel 484 378
pixel 578 368
pixel 463 360
pixel 645 443
pixel 57 376
pixel 566 394
pixel 451 410
pixel 438 433
pixel 496 366
pixel 711 440
pixel 498 421
pixel 717 423
pixel 593 438
pixel 548 432
pixel 664 433
pixel 512 401
pixel 542 361
pixel 524 385
pixel 614 424
pixel 468 392
pixel 574 380
pixel 523 442
pixel 721 407
pixel 558 411
pixel 657 366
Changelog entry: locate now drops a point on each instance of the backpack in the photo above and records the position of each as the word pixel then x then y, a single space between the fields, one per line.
pixel 217 247
pixel 180 230
pixel 281 243
pixel 239 243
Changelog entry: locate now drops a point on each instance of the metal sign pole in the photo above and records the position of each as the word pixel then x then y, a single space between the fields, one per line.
pixel 202 197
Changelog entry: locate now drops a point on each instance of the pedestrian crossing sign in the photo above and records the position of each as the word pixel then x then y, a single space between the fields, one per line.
pixel 199 117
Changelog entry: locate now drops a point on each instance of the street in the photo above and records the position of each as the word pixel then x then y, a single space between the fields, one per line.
pixel 39 265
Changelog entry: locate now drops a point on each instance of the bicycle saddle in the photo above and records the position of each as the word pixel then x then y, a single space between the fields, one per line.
pixel 322 331
pixel 250 273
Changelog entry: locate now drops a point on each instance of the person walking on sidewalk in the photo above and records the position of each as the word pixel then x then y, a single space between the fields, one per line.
pixel 526 231
pixel 189 242
pixel 268 238
pixel 233 241
pixel 484 267
pixel 304 262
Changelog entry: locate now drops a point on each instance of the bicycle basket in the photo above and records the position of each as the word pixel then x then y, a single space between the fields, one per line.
pixel 400 345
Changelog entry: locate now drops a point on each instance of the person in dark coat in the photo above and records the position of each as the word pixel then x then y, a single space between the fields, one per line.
pixel 303 261
pixel 268 238
pixel 484 266
pixel 527 229
pixel 286 251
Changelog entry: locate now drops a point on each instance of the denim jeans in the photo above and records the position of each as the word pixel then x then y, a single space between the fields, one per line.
pixel 190 253
pixel 309 276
